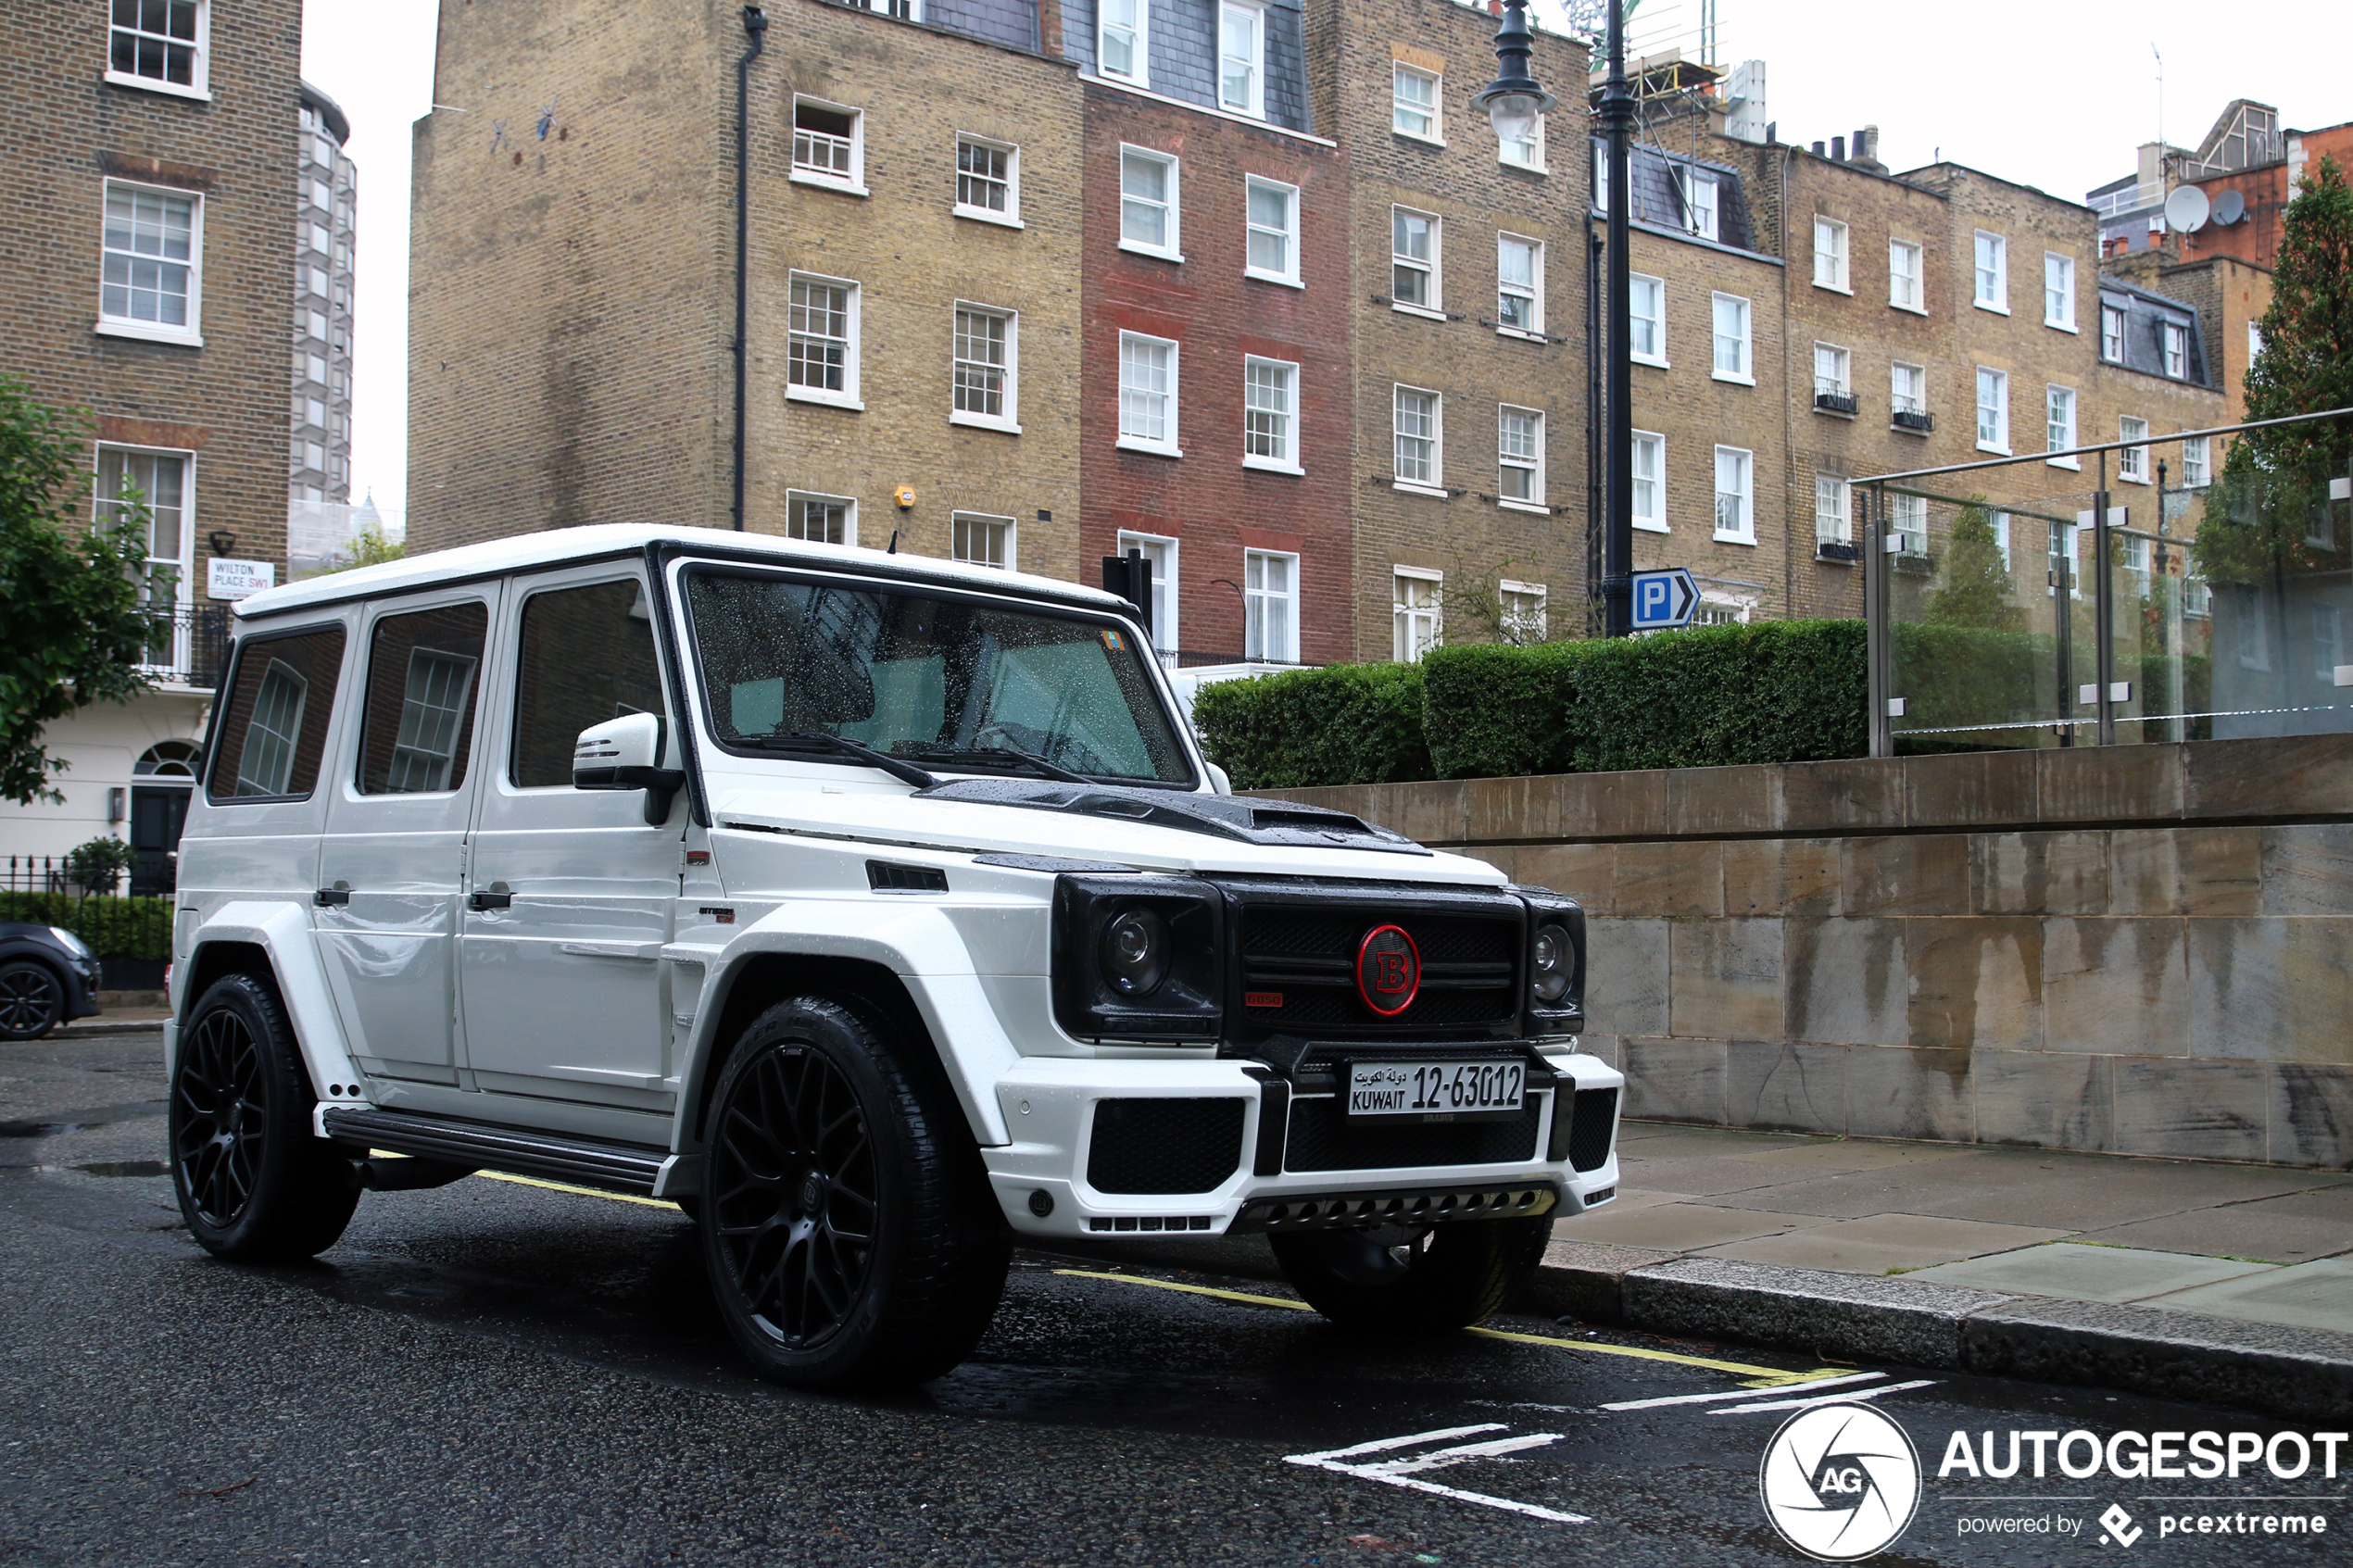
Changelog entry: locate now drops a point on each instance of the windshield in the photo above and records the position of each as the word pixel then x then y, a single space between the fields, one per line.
pixel 913 676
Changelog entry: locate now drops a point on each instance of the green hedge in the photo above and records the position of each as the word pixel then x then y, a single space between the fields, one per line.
pixel 1710 696
pixel 115 928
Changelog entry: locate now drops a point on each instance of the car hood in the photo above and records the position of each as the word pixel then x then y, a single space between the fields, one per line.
pixel 1160 830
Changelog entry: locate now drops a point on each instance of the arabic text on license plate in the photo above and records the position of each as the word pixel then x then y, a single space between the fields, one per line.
pixel 1435 1091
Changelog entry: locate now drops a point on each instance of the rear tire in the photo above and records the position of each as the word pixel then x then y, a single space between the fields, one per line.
pixel 254 1184
pixel 1449 1276
pixel 846 1220
pixel 32 999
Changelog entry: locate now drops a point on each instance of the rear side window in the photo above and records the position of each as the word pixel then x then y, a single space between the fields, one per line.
pixel 420 723
pixel 275 727
pixel 587 655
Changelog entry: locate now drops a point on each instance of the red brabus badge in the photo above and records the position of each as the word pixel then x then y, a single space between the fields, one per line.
pixel 1388 970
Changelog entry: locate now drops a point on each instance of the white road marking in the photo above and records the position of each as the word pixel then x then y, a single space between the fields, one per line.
pixel 1394 1472
pixel 1741 1393
pixel 1826 1399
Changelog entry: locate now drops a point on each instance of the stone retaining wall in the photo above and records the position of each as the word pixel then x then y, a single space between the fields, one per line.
pixel 2142 950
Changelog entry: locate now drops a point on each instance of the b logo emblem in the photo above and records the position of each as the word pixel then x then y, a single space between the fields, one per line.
pixel 1389 971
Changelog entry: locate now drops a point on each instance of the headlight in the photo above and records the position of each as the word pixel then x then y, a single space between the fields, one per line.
pixel 1135 953
pixel 1136 958
pixel 1555 963
pixel 72 944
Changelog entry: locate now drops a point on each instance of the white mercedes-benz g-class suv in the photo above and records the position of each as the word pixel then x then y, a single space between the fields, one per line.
pixel 877 910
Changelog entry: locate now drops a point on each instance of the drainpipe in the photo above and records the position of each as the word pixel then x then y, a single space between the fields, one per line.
pixel 756 29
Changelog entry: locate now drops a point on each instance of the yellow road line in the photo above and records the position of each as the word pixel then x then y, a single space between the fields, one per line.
pixel 584 1192
pixel 1770 1377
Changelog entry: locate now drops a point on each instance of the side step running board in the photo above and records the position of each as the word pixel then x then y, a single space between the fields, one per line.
pixel 616 1167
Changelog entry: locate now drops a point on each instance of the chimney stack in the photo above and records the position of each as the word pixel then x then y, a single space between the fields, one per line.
pixel 1818 149
pixel 1838 149
pixel 1867 149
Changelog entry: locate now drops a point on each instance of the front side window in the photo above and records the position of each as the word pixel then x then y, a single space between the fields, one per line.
pixel 2059 291
pixel 1647 300
pixel 1525 152
pixel 1519 443
pixel 1731 339
pixel 1241 58
pixel 1699 201
pixel 820 356
pixel 1417 415
pixel 148 280
pixel 1413 102
pixel 417 728
pixel 1148 202
pixel 1993 273
pixel 826 143
pixel 1120 43
pixel 820 519
pixel 1272 213
pixel 159 42
pixel 2177 351
pixel 586 655
pixel 2197 463
pixel 984 541
pixel 923 677
pixel 1829 254
pixel 1519 285
pixel 1650 481
pixel 1148 392
pixel 1270 606
pixel 1416 611
pixel 1832 376
pixel 2111 334
pixel 1735 496
pixel 274 729
pixel 1412 246
pixel 2133 463
pixel 1908 388
pixel 1832 521
pixel 984 370
pixel 1992 411
pixel 1904 272
pixel 158 482
pixel 1269 413
pixel 2060 418
pixel 988 180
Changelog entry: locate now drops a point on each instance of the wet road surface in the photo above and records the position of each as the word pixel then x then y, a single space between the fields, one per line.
pixel 506 1371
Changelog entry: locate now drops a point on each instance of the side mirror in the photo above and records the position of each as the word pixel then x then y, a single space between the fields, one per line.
pixel 1218 781
pixel 625 753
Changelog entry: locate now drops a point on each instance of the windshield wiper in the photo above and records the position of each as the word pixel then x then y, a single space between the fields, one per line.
pixel 817 740
pixel 952 755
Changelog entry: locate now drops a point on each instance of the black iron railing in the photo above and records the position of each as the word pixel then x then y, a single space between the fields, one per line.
pixel 186 645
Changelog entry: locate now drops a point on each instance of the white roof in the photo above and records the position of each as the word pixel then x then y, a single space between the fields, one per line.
pixel 556 546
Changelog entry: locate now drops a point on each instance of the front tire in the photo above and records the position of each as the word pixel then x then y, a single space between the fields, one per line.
pixel 846 1220
pixel 1448 1276
pixel 254 1184
pixel 32 999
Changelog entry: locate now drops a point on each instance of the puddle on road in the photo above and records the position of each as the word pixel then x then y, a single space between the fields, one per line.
pixel 65 1122
pixel 123 1168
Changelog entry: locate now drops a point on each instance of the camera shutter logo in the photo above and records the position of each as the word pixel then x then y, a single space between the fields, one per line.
pixel 1388 970
pixel 1840 1482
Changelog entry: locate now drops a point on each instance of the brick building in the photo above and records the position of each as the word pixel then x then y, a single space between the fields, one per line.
pixel 148 163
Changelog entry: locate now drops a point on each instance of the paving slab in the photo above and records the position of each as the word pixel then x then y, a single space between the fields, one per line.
pixel 1701 1178
pixel 2096 1193
pixel 1672 1227
pixel 2318 1295
pixel 1877 1243
pixel 1859 1154
pixel 2088 1273
pixel 2294 1228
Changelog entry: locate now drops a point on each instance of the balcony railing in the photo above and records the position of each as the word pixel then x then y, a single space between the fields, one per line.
pixel 1830 401
pixel 1913 418
pixel 2132 198
pixel 186 645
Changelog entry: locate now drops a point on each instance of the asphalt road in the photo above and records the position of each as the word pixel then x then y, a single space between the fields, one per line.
pixel 503 1372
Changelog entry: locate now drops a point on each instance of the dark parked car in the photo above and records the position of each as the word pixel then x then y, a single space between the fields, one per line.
pixel 48 975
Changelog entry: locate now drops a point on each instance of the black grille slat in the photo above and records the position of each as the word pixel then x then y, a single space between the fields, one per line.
pixel 1592 1121
pixel 1164 1146
pixel 1323 1139
pixel 1307 953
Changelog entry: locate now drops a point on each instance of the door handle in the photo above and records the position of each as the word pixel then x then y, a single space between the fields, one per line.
pixel 333 897
pixel 489 900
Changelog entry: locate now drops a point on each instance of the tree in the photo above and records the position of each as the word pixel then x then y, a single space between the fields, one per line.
pixel 1473 602
pixel 1977 589
pixel 370 546
pixel 71 590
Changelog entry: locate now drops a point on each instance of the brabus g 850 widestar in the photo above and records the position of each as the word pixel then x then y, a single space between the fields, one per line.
pixel 878 911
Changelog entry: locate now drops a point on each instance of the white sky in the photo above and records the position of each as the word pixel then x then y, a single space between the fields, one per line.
pixel 2057 95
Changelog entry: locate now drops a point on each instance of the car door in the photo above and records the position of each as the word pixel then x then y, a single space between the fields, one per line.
pixel 392 863
pixel 574 892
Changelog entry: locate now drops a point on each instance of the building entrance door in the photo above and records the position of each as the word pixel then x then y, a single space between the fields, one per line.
pixel 157 813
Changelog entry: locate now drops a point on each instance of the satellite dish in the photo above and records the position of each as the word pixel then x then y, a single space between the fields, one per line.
pixel 2185 209
pixel 2229 207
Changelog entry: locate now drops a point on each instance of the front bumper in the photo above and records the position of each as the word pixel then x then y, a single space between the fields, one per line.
pixel 1046 1180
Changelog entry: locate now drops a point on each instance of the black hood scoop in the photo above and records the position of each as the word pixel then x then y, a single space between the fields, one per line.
pixel 1274 824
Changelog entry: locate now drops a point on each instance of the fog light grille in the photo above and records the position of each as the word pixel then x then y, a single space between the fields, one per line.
pixel 1164 1145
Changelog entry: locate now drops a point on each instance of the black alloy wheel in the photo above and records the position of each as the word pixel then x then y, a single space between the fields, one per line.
pixel 254 1182
pixel 32 999
pixel 846 1219
pixel 1414 1278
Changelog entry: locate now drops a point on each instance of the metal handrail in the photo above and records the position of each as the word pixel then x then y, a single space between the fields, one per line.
pixel 2152 439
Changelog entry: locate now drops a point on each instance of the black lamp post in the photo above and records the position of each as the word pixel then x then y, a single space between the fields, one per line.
pixel 1514 98
pixel 1617 340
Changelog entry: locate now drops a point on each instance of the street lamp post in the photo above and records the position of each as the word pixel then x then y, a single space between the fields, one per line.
pixel 1618 449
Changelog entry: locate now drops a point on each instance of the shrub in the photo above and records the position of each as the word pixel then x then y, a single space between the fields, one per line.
pixel 115 928
pixel 1491 711
pixel 97 864
pixel 1346 723
pixel 1715 697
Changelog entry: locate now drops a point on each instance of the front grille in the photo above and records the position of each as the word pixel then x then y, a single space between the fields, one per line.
pixel 1592 1124
pixel 1322 1139
pixel 1164 1145
pixel 1299 967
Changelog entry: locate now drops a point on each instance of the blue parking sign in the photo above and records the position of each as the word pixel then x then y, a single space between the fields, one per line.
pixel 1664 599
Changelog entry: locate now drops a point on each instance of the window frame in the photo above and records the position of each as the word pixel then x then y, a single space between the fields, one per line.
pixel 1436 135
pixel 1633 291
pixel 1534 332
pixel 852 184
pixel 1290 235
pixel 1895 399
pixel 1009 218
pixel 1010 541
pixel 1840 495
pixel 1657 441
pixel 2066 265
pixel 2204 446
pixel 1534 501
pixel 847 396
pixel 2001 406
pixel 1839 281
pixel 1917 277
pixel 1432 269
pixel 1746 374
pixel 1507 587
pixel 1170 445
pixel 1256 107
pixel 2053 397
pixel 1999 303
pixel 191 334
pixel 1533 165
pixel 1171 207
pixel 200 84
pixel 102 508
pixel 1690 177
pixel 849 503
pixel 2174 350
pixel 1288 464
pixel 2133 463
pixel 1252 598
pixel 2112 315
pixel 1009 421
pixel 1843 363
pixel 1404 613
pixel 1140 44
pixel 1166 601
pixel 1746 533
pixel 1435 483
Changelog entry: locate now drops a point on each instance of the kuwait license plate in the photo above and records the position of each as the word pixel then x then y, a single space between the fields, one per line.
pixel 1435 1091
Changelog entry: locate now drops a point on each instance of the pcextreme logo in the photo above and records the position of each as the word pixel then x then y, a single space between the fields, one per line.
pixel 1840 1482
